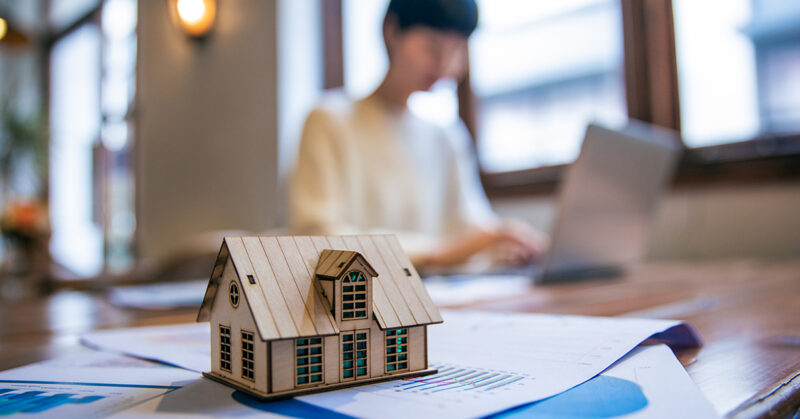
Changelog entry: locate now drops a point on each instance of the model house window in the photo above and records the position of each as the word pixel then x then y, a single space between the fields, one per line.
pixel 248 367
pixel 396 350
pixel 225 348
pixel 354 296
pixel 354 354
pixel 234 294
pixel 308 361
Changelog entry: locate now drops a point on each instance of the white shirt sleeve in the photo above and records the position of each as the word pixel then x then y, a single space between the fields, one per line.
pixel 315 187
pixel 319 187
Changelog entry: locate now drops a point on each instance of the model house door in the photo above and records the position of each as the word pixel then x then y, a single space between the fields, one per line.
pixel 355 350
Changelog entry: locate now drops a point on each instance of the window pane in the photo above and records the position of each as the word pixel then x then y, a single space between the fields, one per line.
pixel 541 71
pixel 75 127
pixel 738 67
pixel 117 91
pixel 64 12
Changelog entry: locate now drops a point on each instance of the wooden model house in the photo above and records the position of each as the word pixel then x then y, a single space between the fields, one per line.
pixel 296 315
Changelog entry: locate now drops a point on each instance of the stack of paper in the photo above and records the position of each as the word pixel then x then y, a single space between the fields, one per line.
pixel 489 363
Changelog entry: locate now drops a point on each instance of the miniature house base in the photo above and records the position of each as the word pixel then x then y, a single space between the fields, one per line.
pixel 299 315
pixel 311 390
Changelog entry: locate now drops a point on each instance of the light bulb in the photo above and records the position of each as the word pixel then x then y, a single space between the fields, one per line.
pixel 191 11
pixel 195 17
pixel 3 28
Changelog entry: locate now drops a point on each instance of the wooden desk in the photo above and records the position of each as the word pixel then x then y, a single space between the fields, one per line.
pixel 748 313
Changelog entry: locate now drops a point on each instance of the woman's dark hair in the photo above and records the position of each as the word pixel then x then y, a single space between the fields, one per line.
pixel 446 15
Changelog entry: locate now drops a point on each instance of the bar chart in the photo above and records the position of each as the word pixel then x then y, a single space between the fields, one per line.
pixel 453 378
pixel 15 401
pixel 43 399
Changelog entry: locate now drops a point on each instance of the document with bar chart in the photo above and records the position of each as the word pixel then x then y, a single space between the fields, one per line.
pixel 85 385
pixel 71 400
pixel 489 362
pixel 455 379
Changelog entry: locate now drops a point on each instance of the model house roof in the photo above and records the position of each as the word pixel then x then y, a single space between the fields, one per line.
pixel 279 284
pixel 333 263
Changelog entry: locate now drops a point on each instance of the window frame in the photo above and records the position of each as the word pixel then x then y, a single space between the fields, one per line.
pixel 652 95
pixel 225 348
pixel 355 310
pixel 355 341
pixel 394 335
pixel 248 348
pixel 309 344
pixel 234 294
pixel 52 34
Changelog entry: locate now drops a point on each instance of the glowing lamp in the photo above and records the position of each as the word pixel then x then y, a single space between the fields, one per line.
pixel 3 28
pixel 195 17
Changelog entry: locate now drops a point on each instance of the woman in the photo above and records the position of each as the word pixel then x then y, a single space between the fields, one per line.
pixel 371 166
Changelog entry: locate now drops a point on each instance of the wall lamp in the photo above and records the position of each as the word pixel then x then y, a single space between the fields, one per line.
pixel 10 35
pixel 195 17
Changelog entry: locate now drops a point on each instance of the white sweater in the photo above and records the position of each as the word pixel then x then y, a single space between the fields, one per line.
pixel 364 167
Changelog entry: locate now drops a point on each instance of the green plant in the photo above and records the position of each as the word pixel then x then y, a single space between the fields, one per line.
pixel 22 137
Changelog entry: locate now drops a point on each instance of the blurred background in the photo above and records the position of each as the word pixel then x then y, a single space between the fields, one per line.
pixel 133 134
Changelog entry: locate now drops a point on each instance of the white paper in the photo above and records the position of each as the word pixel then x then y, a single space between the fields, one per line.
pixel 160 296
pixel 654 385
pixel 490 362
pixel 669 390
pixel 184 345
pixel 201 398
pixel 188 345
pixel 649 382
pixel 86 385
pixel 532 356
pixel 451 290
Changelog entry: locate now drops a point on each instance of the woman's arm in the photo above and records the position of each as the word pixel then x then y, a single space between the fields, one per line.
pixel 315 186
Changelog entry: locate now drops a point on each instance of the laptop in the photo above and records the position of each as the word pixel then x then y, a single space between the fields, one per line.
pixel 607 202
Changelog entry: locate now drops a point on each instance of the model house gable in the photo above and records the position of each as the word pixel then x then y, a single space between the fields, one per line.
pixel 346 279
pixel 334 263
pixel 282 297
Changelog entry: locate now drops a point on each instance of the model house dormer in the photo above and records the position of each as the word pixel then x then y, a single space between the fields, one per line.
pixel 346 280
pixel 295 315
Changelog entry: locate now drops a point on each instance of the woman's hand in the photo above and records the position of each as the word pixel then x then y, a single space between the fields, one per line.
pixel 512 242
pixel 518 243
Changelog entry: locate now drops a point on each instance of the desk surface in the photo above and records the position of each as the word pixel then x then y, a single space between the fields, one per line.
pixel 748 313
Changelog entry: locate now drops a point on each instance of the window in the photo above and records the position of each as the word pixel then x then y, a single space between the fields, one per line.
pixel 92 64
pixel 308 361
pixel 739 69
pixel 118 86
pixel 355 349
pixel 396 350
pixel 354 296
pixel 248 359
pixel 540 72
pixel 225 348
pixel 719 71
pixel 75 118
pixel 234 294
